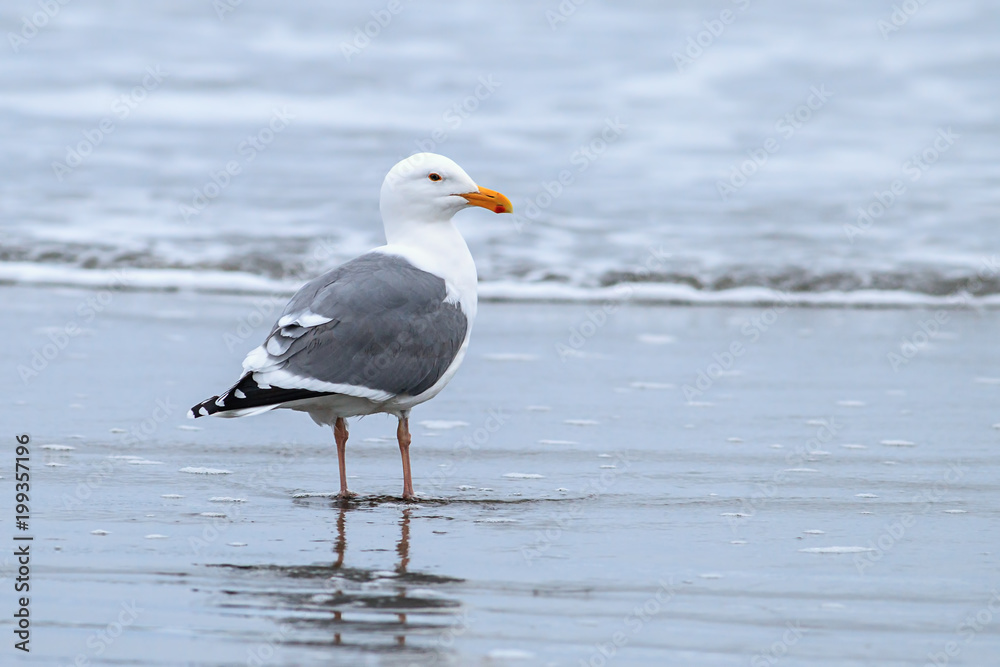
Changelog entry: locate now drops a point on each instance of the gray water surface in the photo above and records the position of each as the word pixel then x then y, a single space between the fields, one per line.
pixel 573 505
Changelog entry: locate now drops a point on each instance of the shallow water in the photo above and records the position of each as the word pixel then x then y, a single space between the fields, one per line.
pixel 607 507
pixel 644 199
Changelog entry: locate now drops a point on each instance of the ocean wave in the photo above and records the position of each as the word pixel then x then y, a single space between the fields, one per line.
pixel 672 289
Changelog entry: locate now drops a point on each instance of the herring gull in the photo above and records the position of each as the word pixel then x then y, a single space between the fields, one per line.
pixel 384 332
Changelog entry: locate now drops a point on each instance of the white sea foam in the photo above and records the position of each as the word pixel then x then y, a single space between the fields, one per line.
pixel 442 424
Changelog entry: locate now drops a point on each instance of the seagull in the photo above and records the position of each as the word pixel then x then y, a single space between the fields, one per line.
pixel 384 332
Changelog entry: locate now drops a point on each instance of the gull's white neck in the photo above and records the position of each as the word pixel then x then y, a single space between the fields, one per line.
pixel 436 247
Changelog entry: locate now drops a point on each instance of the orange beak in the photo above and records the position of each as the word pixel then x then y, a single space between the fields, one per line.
pixel 489 199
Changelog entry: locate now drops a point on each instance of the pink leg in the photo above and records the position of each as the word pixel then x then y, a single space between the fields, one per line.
pixel 340 435
pixel 403 435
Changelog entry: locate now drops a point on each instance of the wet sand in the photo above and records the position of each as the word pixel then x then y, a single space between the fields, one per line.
pixel 810 504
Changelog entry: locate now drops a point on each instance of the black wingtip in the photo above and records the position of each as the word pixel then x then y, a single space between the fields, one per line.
pixel 247 394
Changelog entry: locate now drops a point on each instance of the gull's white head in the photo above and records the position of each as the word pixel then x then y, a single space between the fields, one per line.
pixel 427 187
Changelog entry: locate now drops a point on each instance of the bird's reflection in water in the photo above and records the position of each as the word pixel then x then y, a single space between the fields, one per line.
pixel 336 604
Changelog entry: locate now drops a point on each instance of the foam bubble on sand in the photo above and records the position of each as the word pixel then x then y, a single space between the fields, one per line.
pixel 562 490
pixel 832 605
pixel 699 404
pixel 99 532
pixel 213 515
pixel 442 424
pixel 171 496
pixel 195 470
pixel 59 448
pixel 835 550
pixel 538 408
pixel 509 356
pixel 510 654
pixel 376 440
pixel 734 439
pixel 851 404
pixel 897 443
pixel 739 515
pixel 156 536
pixel 865 495
pixel 816 422
pixel 314 494
pixel 738 542
pixel 955 511
pixel 236 544
pixel 143 462
pixel 187 427
pixel 385 574
pixel 777 446
pixel 125 457
pixel 851 446
pixel 655 339
pixel 558 442
pixel 495 521
pixel 814 532
pixel 118 430
pixel 523 475
pixel 609 467
pixel 651 385
pixel 226 499
pixel 581 422
pixel 800 470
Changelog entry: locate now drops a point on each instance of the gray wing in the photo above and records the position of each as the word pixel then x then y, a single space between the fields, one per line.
pixel 377 323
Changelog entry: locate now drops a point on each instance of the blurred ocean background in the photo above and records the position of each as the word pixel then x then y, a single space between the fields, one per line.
pixel 705 147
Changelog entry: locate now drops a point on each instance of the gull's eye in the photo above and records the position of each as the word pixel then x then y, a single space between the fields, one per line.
pixel 434 176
